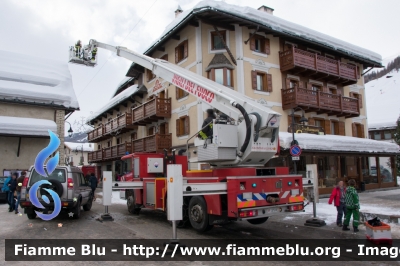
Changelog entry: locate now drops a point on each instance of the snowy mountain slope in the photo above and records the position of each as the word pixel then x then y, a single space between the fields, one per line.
pixel 383 100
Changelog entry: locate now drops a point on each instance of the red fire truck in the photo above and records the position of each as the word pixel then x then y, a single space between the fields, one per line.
pixel 244 139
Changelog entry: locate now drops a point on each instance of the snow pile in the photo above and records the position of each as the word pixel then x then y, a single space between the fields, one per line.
pixel 336 143
pixel 383 96
pixel 114 101
pixel 115 199
pixel 276 24
pixel 78 146
pixel 36 80
pixel 10 125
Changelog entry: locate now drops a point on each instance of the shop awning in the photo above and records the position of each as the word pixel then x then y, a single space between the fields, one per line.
pixel 26 127
pixel 313 142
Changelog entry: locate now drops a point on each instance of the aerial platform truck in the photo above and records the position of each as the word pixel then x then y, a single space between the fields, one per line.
pixel 238 186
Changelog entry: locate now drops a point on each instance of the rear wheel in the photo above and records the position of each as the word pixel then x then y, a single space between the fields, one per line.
pixel 198 215
pixel 77 210
pixel 258 220
pixel 89 203
pixel 31 215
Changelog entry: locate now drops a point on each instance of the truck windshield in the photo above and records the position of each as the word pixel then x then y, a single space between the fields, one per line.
pixel 58 174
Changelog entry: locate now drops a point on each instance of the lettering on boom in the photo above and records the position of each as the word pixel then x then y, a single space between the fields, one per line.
pixel 193 88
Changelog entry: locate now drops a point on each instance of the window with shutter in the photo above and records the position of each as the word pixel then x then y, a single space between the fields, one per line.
pixel 216 42
pixel 222 76
pixel 182 126
pixel 261 81
pixel 150 131
pixel 354 129
pixel 179 93
pixel 178 127
pixel 311 121
pixel 150 75
pixel 134 136
pixel 186 125
pixel 359 97
pixel 181 51
pixel 301 84
pixel 260 44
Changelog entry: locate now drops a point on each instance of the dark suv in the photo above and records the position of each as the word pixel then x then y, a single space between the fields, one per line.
pixel 69 184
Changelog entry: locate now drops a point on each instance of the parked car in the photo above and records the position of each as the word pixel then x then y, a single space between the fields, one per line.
pixel 3 195
pixel 70 185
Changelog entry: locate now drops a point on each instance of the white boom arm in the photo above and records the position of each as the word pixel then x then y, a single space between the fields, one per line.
pixel 259 131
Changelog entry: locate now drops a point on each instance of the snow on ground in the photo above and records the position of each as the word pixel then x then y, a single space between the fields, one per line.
pixel 276 24
pixel 382 97
pixel 11 125
pixel 334 142
pixel 36 79
pixel 114 198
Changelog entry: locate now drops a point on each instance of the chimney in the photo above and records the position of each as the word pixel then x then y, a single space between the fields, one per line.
pixel 266 9
pixel 178 11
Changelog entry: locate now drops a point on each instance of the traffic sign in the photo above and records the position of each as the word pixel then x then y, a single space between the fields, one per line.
pixel 295 150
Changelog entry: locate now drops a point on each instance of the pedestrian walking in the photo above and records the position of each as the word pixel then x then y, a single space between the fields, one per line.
pixel 93 184
pixel 19 182
pixel 6 189
pixel 338 198
pixel 12 185
pixel 352 206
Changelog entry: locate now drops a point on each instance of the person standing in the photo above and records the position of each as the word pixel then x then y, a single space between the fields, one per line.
pixel 338 197
pixel 12 185
pixel 352 206
pixel 6 189
pixel 93 184
pixel 207 132
pixel 20 180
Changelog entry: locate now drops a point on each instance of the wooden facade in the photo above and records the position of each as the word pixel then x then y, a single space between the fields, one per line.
pixel 151 111
pixel 154 143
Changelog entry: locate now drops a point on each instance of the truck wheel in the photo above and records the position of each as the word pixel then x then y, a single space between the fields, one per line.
pixel 77 210
pixel 31 215
pixel 89 203
pixel 258 220
pixel 198 215
pixel 131 203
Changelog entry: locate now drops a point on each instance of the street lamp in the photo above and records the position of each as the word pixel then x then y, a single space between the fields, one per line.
pixel 294 142
pixel 70 131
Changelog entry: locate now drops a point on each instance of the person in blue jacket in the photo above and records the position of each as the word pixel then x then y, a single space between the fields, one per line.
pixel 13 186
pixel 6 189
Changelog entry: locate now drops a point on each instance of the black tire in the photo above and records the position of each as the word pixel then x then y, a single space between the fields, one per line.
pixel 89 203
pixel 77 210
pixel 258 220
pixel 31 215
pixel 198 215
pixel 131 203
pixel 56 186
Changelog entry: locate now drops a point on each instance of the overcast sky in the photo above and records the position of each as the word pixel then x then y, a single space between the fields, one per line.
pixel 48 27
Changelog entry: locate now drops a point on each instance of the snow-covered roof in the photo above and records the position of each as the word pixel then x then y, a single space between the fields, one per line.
pixel 382 98
pixel 36 80
pixel 78 146
pixel 114 101
pixel 337 143
pixel 123 81
pixel 21 126
pixel 276 24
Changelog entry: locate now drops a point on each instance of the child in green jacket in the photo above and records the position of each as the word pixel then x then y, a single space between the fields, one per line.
pixel 352 206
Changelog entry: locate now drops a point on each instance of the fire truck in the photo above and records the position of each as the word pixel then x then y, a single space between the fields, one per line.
pixel 238 186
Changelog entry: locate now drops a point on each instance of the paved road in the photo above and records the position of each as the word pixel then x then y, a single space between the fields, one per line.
pixel 153 225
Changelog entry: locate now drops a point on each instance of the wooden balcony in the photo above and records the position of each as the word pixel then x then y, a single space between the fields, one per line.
pixel 95 156
pixel 120 124
pixel 96 134
pixel 151 111
pixel 155 143
pixel 320 102
pixel 317 67
pixel 116 152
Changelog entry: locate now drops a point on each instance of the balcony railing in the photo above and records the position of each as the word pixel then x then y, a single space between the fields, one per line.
pixel 151 111
pixel 96 134
pixel 110 153
pixel 120 124
pixel 155 143
pixel 319 66
pixel 95 156
pixel 320 102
